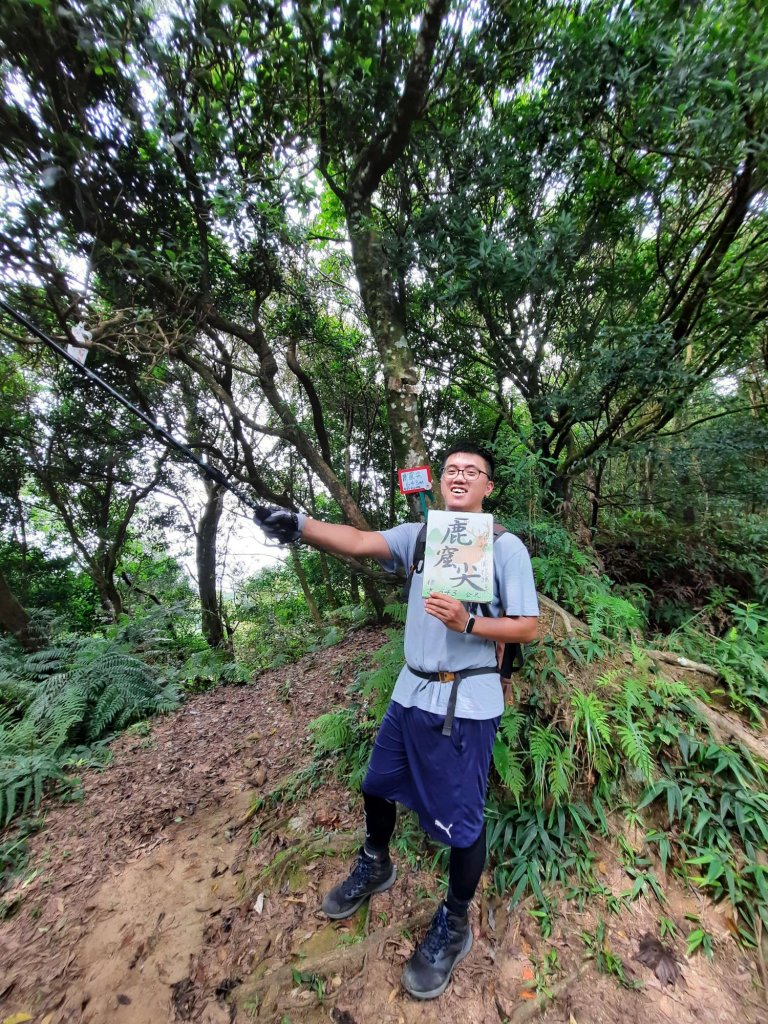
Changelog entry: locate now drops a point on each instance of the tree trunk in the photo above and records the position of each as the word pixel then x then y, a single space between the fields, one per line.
pixel 14 618
pixel 207 533
pixel 109 595
pixel 373 595
pixel 556 495
pixel 330 597
pixel 314 611
pixel 401 377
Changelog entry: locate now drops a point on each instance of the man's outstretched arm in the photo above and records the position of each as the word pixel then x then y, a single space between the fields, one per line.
pixel 286 527
pixel 345 540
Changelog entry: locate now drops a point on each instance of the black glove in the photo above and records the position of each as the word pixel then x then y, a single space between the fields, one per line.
pixel 279 524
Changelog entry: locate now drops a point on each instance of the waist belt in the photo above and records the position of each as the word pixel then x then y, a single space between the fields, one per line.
pixel 454 678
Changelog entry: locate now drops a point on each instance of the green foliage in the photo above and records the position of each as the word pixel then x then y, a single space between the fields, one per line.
pixel 715 806
pixel 590 718
pixel 506 757
pixel 207 668
pixel 343 739
pixel 274 625
pixel 577 744
pixel 333 730
pixel 700 941
pixel 375 685
pixel 586 737
pixel 56 703
pixel 715 563
pixel 52 583
pixel 571 576
pixel 577 203
pixel 532 847
pixel 598 949
pixel 740 654
pixel 22 777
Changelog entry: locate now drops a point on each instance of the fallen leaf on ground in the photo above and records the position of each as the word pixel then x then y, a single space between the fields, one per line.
pixel 660 959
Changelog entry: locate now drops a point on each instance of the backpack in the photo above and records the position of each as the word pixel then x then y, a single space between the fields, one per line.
pixel 511 657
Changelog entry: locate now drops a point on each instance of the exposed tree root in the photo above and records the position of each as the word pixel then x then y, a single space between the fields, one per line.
pixel 271 822
pixel 570 622
pixel 301 852
pixel 670 658
pixel 258 804
pixel 527 1011
pixel 342 958
pixel 726 729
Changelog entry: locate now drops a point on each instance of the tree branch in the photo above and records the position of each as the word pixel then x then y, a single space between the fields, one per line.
pixel 380 154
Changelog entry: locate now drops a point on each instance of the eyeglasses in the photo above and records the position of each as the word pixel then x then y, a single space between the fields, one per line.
pixel 469 472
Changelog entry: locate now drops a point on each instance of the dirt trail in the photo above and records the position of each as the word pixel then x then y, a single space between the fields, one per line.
pixel 149 904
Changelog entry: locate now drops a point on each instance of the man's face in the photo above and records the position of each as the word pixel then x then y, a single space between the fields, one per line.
pixel 460 493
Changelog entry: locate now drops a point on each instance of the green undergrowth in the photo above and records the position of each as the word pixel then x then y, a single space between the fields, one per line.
pixel 679 567
pixel 61 704
pixel 598 741
pixel 739 653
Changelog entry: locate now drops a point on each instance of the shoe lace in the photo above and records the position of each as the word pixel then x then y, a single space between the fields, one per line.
pixel 360 874
pixel 437 937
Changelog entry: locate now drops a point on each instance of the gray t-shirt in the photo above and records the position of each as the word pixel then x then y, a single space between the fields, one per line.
pixel 432 647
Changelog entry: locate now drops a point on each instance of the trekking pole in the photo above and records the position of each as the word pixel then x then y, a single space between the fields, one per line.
pixel 210 471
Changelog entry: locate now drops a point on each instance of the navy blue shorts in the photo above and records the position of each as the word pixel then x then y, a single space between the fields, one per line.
pixel 442 778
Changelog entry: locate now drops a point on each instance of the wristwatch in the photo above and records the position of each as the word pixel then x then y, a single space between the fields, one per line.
pixel 470 624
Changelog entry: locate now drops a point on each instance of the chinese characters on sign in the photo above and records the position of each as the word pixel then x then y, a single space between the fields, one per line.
pixel 413 480
pixel 459 556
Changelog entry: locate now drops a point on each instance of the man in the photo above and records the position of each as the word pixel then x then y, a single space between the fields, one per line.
pixel 441 777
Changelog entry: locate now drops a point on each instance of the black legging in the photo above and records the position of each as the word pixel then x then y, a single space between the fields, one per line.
pixel 466 863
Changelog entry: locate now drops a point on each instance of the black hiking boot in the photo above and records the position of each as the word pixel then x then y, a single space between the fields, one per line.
pixel 366 877
pixel 447 941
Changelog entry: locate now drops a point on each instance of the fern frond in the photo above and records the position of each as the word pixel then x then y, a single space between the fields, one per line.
pixel 511 725
pixel 634 694
pixel 397 611
pixel 331 731
pixel 590 716
pixel 671 687
pixel 634 743
pixel 542 746
pixel 608 679
pixel 378 683
pixel 639 656
pixel 22 780
pixel 508 765
pixel 560 775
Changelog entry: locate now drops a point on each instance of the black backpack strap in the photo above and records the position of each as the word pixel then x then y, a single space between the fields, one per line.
pixel 512 658
pixel 419 551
